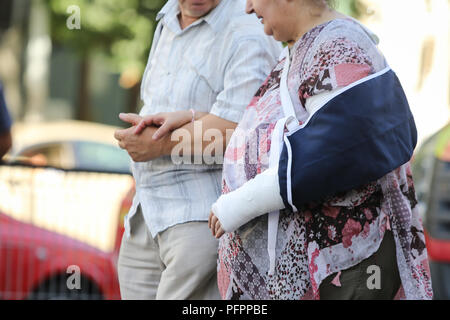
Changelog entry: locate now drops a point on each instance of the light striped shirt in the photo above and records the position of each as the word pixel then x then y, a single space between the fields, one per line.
pixel 214 65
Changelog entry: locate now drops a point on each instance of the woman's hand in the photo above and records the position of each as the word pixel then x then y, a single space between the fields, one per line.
pixel 215 226
pixel 166 121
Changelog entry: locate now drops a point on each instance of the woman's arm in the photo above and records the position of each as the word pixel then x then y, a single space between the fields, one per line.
pixel 208 133
pixel 168 121
pixel 256 197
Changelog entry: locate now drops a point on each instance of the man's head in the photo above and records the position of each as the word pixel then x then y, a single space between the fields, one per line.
pixel 195 9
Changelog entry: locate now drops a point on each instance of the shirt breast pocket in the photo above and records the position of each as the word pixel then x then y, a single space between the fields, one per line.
pixel 206 81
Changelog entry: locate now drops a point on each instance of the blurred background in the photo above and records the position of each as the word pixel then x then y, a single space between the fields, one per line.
pixel 51 72
pixel 65 185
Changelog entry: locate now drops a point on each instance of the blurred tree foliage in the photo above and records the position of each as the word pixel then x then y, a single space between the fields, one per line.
pixel 349 7
pixel 121 30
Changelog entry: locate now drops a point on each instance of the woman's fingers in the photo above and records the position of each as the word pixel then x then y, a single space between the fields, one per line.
pixel 162 131
pixel 211 214
pixel 159 118
pixel 218 229
pixel 220 233
pixel 140 127
pixel 156 120
pixel 167 122
pixel 217 226
pixel 213 224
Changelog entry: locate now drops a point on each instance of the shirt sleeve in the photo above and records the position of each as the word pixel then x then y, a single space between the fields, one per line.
pixel 249 65
pixel 5 119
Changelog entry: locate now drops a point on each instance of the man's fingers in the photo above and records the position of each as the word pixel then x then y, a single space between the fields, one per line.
pixel 135 156
pixel 119 134
pixel 131 118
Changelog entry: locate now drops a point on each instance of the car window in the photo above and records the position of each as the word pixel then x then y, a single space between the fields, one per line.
pixel 57 155
pixel 102 157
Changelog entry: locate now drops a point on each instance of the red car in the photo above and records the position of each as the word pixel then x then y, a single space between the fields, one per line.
pixel 35 263
pixel 63 194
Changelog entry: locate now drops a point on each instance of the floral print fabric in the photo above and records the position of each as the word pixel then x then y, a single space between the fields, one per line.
pixel 340 231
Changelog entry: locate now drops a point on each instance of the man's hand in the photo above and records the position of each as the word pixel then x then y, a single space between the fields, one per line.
pixel 215 226
pixel 131 118
pixel 140 147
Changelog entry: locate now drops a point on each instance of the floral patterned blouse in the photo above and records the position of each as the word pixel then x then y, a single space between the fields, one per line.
pixel 339 232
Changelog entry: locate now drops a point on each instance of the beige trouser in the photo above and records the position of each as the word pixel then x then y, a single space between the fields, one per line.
pixel 179 264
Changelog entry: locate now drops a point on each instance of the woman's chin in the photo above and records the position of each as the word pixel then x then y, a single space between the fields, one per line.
pixel 276 35
pixel 278 38
pixel 268 31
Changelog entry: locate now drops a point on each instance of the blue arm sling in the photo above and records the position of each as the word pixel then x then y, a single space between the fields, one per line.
pixel 358 136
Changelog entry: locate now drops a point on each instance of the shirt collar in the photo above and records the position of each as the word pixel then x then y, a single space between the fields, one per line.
pixel 168 7
pixel 215 19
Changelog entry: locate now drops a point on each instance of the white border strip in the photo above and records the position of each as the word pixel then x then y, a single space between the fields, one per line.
pixel 288 175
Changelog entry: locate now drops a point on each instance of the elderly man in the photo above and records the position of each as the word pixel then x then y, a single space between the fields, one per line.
pixel 207 56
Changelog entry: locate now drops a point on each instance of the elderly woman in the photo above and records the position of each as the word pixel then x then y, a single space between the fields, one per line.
pixel 364 243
